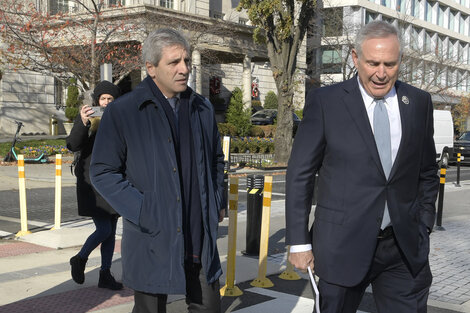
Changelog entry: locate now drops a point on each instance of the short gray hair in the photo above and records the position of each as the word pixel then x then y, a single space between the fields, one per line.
pixel 158 40
pixel 376 29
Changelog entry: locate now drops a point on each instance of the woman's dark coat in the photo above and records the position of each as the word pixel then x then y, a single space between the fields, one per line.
pixel 134 166
pixel 90 202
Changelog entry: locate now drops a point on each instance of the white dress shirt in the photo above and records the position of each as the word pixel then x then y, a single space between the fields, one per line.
pixel 393 111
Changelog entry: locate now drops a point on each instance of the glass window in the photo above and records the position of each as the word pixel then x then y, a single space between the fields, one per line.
pixel 58 6
pixel 428 48
pixel 428 11
pixel 415 40
pixel 450 49
pixel 166 4
pixel 386 3
pixel 461 24
pixel 440 46
pixel 331 60
pixel 415 8
pixel 440 16
pixel 333 22
pixel 370 17
pixel 451 20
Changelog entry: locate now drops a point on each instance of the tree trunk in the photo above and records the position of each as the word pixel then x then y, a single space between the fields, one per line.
pixel 283 138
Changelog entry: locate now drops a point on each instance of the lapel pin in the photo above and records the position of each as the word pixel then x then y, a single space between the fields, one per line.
pixel 405 100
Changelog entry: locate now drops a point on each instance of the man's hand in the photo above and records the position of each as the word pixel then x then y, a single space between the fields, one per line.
pixel 221 215
pixel 302 260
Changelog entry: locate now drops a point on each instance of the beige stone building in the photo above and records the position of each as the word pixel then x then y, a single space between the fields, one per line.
pixel 224 56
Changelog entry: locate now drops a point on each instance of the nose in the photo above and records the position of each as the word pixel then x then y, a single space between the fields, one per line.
pixel 381 72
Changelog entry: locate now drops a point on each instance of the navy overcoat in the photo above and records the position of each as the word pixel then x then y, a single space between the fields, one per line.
pixel 134 167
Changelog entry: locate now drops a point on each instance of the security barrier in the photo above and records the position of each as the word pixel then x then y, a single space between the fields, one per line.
pixel 262 281
pixel 254 206
pixel 22 191
pixel 440 201
pixel 58 191
pixel 230 289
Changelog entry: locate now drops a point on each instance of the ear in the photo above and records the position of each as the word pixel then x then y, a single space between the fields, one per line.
pixel 150 69
pixel 355 57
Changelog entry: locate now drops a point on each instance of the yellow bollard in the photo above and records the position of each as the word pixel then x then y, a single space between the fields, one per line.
pixel 230 289
pixel 58 191
pixel 22 190
pixel 289 273
pixel 262 281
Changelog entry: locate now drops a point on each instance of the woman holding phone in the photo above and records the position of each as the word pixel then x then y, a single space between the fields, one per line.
pixel 90 203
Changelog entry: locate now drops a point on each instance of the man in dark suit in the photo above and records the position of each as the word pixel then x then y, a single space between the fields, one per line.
pixel 370 140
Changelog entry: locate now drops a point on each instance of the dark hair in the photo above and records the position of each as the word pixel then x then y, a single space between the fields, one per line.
pixel 376 29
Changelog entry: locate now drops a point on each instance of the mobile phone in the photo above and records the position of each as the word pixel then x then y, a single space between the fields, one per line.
pixel 97 111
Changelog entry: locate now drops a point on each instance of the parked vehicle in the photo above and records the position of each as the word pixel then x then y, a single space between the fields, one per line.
pixel 443 136
pixel 268 117
pixel 462 145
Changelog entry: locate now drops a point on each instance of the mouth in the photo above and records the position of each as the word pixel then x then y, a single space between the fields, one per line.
pixel 380 84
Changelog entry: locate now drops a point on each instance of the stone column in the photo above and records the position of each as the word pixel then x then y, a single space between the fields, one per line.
pixel 196 61
pixel 247 82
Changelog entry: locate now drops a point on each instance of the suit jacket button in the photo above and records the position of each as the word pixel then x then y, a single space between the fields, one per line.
pixel 174 169
pixel 178 199
pixel 178 230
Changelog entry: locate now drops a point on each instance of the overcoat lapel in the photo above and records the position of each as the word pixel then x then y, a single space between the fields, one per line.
pixel 357 109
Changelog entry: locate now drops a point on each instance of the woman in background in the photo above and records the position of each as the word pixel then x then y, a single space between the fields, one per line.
pixel 90 203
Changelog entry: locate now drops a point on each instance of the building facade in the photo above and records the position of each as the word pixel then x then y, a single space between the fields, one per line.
pixel 224 56
pixel 436 37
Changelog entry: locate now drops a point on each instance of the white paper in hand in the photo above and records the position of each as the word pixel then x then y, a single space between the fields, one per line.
pixel 315 289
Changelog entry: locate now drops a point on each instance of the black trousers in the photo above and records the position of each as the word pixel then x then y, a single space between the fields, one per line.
pixel 201 297
pixel 394 288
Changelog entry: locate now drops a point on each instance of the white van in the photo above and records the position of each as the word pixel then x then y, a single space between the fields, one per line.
pixel 443 135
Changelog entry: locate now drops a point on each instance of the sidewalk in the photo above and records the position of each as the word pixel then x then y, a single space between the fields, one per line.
pixel 35 275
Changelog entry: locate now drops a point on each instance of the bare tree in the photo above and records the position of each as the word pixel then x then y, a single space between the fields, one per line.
pixel 68 43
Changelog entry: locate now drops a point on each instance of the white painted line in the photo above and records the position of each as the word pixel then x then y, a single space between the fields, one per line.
pixel 5 234
pixel 17 220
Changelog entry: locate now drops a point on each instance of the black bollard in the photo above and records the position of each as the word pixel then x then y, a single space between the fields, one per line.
pixel 440 201
pixel 254 206
pixel 457 184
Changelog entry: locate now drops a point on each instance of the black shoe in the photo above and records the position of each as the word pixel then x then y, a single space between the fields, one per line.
pixel 107 281
pixel 78 269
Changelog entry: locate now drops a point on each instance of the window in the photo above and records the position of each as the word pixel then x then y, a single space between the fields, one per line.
pixel 333 22
pixel 166 4
pixel 331 60
pixel 58 6
pixel 461 24
pixel 440 46
pixel 218 15
pixel 415 8
pixel 440 16
pixel 415 39
pixel 428 47
pixel 115 3
pixel 386 3
pixel 428 11
pixel 401 6
pixel 460 52
pixel 450 49
pixel 242 21
pixel 451 24
pixel 370 17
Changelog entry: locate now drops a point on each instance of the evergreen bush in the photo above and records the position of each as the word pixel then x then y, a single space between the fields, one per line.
pixel 237 115
pixel 72 103
pixel 270 101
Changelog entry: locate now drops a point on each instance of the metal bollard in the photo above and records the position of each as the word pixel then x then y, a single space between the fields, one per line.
pixel 230 289
pixel 53 125
pixel 22 192
pixel 58 191
pixel 254 205
pixel 457 184
pixel 440 201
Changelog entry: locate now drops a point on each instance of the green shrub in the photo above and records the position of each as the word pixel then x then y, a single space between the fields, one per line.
pixel 237 115
pixel 257 131
pixel 72 103
pixel 227 129
pixel 300 113
pixel 238 145
pixel 270 101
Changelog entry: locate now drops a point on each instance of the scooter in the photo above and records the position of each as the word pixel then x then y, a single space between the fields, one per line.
pixel 11 155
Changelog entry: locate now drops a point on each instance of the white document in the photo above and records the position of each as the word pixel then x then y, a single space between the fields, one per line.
pixel 315 289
